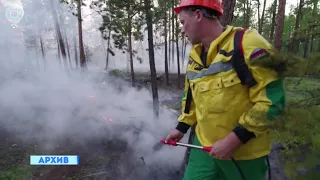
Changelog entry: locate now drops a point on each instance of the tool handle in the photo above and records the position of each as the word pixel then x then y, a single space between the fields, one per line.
pixel 170 142
pixel 207 148
pixel 174 143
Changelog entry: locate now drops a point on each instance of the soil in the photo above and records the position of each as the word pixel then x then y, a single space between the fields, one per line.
pixel 100 159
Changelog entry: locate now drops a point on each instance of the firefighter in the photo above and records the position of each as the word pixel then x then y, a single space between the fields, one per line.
pixel 230 100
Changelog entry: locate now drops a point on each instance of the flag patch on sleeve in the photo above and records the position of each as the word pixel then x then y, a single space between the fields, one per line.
pixel 258 53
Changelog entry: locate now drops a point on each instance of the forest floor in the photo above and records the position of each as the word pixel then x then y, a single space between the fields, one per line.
pixel 107 161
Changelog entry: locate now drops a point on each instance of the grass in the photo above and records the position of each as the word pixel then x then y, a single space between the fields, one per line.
pixel 299 133
pixel 301 90
pixel 13 162
pixel 17 173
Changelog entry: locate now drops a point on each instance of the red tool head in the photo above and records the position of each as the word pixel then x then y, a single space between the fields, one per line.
pixel 170 142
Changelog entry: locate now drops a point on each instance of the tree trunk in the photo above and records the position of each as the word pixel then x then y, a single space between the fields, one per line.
pixel 178 54
pixel 108 46
pixel 311 43
pixel 247 13
pixel 185 47
pixel 83 63
pixel 306 47
pixel 273 21
pixel 130 52
pixel 151 59
pixel 37 56
pixel 244 13
pixel 59 52
pixel 169 39
pixel 166 47
pixel 59 35
pixel 259 17
pixel 262 16
pixel 42 52
pixel 181 52
pixel 68 50
pixel 294 45
pixel 314 13
pixel 184 42
pixel 228 6
pixel 280 20
pixel 75 52
pixel 173 32
pixel 66 39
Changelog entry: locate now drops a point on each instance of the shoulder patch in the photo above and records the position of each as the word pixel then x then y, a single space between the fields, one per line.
pixel 258 53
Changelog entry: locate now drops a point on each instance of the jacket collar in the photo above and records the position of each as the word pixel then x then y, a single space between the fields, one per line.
pixel 196 49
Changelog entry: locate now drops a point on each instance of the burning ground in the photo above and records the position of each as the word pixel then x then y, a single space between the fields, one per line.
pixel 109 125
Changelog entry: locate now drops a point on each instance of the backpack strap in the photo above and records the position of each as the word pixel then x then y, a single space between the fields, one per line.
pixel 238 64
pixel 188 100
pixel 238 61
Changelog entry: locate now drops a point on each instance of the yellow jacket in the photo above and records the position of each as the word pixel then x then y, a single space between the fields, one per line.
pixel 220 102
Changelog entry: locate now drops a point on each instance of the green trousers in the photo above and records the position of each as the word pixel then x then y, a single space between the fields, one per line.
pixel 202 166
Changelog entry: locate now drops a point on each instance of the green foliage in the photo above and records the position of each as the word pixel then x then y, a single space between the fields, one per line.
pixel 297 129
pixel 288 29
pixel 243 13
pixel 313 65
pixel 17 173
pixel 176 106
pixel 73 5
pixel 122 17
pixel 289 65
pixel 117 73
pixel 303 39
pixel 267 21
pixel 162 18
pixel 300 139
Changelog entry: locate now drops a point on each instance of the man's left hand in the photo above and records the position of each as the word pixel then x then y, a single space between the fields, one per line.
pixel 225 148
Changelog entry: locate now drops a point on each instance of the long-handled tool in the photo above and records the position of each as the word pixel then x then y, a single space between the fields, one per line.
pixel 176 143
pixel 204 148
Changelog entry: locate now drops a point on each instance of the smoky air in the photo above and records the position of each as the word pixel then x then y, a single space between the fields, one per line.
pixel 49 105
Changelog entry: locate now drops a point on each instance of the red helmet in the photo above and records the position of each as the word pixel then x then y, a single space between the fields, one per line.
pixel 216 5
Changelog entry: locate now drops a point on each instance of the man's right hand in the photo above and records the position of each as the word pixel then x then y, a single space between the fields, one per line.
pixel 174 134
